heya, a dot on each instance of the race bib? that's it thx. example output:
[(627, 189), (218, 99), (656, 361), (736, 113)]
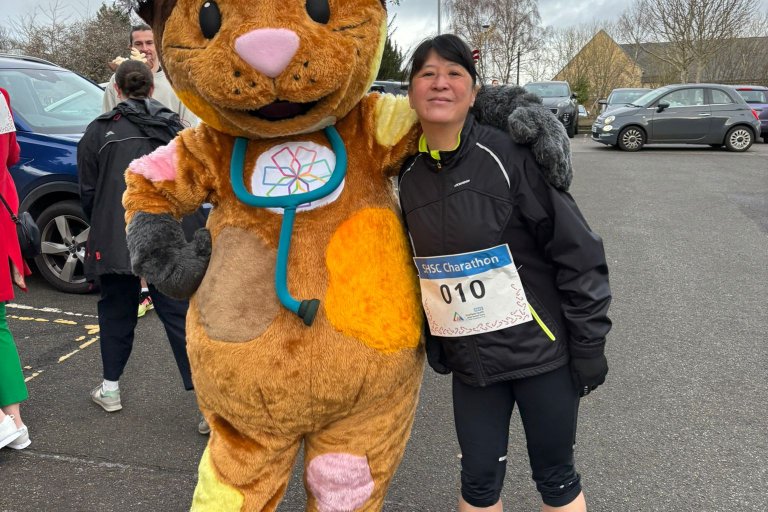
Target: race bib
[(472, 293)]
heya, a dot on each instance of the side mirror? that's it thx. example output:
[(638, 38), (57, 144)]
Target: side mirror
[(661, 106), (573, 96), (602, 102)]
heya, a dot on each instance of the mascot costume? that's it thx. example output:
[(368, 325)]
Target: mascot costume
[(304, 325)]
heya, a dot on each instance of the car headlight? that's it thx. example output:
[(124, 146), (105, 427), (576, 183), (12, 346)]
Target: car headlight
[(607, 128), (563, 104), (609, 119)]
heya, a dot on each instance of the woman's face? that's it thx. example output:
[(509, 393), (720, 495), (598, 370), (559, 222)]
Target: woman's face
[(441, 92)]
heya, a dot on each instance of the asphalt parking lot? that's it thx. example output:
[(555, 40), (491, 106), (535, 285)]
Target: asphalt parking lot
[(680, 425)]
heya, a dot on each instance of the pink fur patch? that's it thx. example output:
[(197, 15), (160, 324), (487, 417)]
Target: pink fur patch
[(340, 482), (160, 165)]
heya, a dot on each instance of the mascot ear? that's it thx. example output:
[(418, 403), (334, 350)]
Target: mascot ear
[(528, 122), (145, 9)]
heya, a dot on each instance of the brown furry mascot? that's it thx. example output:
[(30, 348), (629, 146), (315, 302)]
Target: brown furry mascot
[(304, 323)]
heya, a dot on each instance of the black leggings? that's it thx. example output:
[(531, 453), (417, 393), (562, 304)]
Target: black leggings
[(120, 297), (549, 405)]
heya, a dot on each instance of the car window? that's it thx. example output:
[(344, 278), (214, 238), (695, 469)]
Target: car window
[(624, 97), (684, 98), (52, 101), (720, 98), (548, 90), (754, 96)]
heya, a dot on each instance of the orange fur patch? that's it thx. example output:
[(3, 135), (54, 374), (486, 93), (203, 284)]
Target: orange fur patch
[(380, 305)]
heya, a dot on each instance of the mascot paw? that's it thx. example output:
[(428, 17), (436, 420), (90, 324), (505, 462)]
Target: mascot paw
[(161, 254), (521, 114)]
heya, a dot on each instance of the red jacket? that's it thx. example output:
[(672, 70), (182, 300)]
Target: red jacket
[(9, 242)]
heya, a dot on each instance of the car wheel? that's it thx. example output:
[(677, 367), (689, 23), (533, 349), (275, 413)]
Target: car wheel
[(63, 233), (576, 124), (571, 129), (631, 138), (738, 138)]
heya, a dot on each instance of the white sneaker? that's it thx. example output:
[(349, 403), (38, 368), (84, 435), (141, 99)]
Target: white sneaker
[(8, 430), (22, 441)]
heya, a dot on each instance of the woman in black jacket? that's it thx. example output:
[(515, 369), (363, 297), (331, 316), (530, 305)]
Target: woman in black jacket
[(134, 128), (514, 285)]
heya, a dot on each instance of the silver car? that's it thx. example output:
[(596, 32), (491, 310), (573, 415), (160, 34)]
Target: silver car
[(681, 114)]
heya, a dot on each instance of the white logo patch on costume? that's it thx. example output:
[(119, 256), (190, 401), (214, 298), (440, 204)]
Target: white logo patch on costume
[(472, 293), (295, 168)]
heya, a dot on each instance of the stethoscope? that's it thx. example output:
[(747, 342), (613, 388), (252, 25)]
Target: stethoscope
[(306, 309)]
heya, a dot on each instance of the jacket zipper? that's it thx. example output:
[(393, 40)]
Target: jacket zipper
[(541, 323)]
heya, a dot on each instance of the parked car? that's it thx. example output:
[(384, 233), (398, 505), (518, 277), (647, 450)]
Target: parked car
[(391, 87), (681, 114), (620, 97), (756, 97), (52, 107), (560, 100), (583, 112)]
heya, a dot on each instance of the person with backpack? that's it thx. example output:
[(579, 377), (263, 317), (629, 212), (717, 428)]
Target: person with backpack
[(135, 127)]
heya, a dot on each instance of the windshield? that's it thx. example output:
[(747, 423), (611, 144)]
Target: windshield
[(624, 97), (548, 90), (52, 101), (650, 96), (754, 96)]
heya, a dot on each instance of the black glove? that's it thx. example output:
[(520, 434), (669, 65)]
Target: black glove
[(161, 254), (588, 373), (435, 354)]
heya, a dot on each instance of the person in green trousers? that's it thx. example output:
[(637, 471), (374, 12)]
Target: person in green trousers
[(13, 389)]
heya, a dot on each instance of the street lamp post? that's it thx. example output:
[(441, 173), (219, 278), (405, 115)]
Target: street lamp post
[(518, 65), (439, 17)]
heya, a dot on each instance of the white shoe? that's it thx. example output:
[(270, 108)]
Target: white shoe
[(22, 441), (8, 430)]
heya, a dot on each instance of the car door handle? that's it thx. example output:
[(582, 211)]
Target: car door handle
[(704, 114)]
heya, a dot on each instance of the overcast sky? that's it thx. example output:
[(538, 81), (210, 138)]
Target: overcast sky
[(416, 19)]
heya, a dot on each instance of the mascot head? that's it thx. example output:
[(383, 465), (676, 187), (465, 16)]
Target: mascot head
[(268, 68)]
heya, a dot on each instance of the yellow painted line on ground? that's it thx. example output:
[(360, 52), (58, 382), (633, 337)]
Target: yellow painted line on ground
[(89, 342), (80, 338), (27, 318), (67, 356), (33, 376), (92, 329), (66, 322)]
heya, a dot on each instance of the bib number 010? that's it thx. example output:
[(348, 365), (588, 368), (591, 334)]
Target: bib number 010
[(476, 288)]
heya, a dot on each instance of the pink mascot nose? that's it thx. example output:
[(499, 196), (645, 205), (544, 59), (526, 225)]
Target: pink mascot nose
[(268, 50)]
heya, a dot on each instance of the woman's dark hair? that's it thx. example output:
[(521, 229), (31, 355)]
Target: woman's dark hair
[(134, 79), (449, 47)]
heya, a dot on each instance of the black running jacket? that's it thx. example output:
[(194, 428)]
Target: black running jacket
[(490, 191)]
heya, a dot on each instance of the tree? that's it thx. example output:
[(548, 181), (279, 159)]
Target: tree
[(600, 64), (84, 46), (392, 60), (503, 31), (694, 30)]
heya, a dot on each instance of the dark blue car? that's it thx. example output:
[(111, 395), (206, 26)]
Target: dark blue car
[(52, 107), (756, 97)]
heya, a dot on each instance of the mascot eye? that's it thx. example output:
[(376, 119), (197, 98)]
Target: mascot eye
[(210, 19), (319, 10)]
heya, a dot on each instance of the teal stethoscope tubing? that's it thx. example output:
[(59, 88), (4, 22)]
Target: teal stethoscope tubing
[(306, 309)]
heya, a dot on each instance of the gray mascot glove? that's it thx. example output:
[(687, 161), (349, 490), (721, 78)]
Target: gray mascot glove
[(528, 122), (161, 255)]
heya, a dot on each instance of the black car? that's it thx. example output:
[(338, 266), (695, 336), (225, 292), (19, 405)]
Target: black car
[(391, 87), (560, 100), (52, 107)]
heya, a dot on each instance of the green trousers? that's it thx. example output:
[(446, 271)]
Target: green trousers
[(13, 389)]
